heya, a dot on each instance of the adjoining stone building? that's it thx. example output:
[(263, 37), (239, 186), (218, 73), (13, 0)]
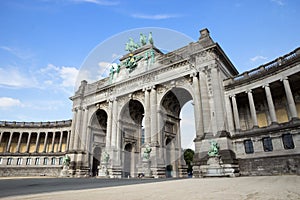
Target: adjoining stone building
[(254, 117)]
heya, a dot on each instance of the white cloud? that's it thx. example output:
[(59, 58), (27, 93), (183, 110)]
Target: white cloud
[(59, 76), (257, 58), (154, 17), (98, 2), (7, 102), (12, 77), (68, 75)]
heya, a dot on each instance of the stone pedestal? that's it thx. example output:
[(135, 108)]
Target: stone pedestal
[(146, 168), (102, 171), (213, 168), (64, 172)]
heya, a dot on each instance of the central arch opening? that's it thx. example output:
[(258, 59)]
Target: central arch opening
[(131, 127), (179, 128)]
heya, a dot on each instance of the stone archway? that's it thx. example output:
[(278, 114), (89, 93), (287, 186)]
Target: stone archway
[(97, 136), (131, 118), (171, 104)]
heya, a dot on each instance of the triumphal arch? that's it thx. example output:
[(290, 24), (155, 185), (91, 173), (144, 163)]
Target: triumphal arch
[(152, 86)]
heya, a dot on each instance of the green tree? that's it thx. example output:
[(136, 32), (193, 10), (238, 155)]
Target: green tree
[(188, 157)]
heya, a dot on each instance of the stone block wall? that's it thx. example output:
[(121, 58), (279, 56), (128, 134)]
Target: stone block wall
[(276, 165), (30, 171)]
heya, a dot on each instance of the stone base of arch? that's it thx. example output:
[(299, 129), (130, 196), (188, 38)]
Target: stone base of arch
[(115, 172), (229, 161)]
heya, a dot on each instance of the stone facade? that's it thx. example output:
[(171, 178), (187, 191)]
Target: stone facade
[(33, 149), (253, 116)]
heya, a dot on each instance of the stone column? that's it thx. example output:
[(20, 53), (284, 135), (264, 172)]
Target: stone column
[(229, 115), (45, 142), (147, 130), (84, 128), (53, 142), (114, 126), (197, 106), (217, 99), (77, 128), (37, 142), (270, 104), (72, 134), (153, 103), (290, 98), (252, 108), (235, 113), (109, 124), (9, 142), (161, 137), (1, 135), (205, 103), (60, 141), (19, 142), (68, 141), (28, 142)]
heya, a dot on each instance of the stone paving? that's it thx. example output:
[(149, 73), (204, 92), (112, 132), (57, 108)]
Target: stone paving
[(261, 187)]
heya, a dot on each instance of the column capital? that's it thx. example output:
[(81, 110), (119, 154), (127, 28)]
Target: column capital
[(266, 85), (284, 78), (194, 74), (77, 109), (248, 91), (232, 95), (111, 99), (147, 88)]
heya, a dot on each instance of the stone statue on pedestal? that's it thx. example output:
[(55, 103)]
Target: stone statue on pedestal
[(66, 163), (214, 149)]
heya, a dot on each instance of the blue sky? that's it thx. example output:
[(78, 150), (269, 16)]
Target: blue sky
[(43, 43)]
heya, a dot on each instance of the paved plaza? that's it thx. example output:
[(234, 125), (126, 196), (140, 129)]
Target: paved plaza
[(260, 187)]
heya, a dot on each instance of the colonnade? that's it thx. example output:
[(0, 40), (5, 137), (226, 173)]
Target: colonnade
[(34, 142), (292, 111)]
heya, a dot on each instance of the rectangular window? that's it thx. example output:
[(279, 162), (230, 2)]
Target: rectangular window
[(248, 146), (53, 161), (267, 144), (45, 161), (9, 161), (288, 142), (60, 161), (28, 161), (19, 161), (37, 161)]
